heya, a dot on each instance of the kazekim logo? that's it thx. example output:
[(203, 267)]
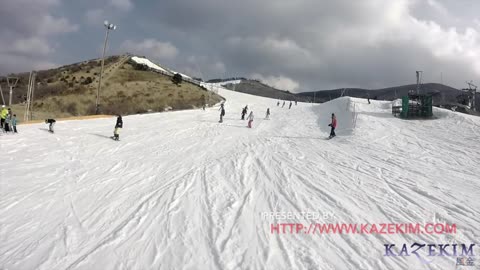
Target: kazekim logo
[(424, 251)]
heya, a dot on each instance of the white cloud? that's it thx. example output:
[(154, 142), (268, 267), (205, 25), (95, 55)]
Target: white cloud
[(50, 25), (151, 48), (124, 5), (95, 16), (31, 46), (27, 32), (279, 82)]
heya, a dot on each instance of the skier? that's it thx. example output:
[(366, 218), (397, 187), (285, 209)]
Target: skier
[(267, 116), (14, 123), (51, 123), (250, 119), (118, 127), (333, 125), (278, 103), (7, 126), (222, 113), (8, 121), (289, 107), (204, 106), (246, 108), (295, 103), (283, 104), (244, 112), (3, 116)]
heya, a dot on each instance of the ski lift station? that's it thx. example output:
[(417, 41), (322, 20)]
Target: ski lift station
[(414, 105)]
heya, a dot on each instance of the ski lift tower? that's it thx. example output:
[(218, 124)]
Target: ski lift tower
[(415, 105), (471, 90), (12, 82), (419, 80)]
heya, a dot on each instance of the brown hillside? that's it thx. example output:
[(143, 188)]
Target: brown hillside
[(127, 88)]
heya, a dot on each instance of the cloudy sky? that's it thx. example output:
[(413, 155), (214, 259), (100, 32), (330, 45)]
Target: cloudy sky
[(296, 45)]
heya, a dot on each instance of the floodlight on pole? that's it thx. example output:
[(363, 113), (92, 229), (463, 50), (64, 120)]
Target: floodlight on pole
[(108, 26)]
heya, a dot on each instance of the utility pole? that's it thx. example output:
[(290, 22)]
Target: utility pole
[(109, 27)]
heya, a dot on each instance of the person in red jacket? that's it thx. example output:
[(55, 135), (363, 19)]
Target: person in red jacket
[(333, 125)]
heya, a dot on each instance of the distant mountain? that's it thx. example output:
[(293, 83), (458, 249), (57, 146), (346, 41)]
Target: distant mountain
[(442, 94), (255, 87)]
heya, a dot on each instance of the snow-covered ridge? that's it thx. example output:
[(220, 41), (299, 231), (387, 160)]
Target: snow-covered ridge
[(150, 64), (147, 62), (227, 82)]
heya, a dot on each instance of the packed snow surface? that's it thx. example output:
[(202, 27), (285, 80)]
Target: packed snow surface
[(182, 191), (149, 63)]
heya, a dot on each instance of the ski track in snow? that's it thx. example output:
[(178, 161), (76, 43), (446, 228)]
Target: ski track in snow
[(182, 191)]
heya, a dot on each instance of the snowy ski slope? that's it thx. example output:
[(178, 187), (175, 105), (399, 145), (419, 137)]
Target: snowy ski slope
[(182, 191)]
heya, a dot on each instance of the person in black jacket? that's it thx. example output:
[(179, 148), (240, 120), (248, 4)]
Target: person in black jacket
[(244, 112), (50, 123), (118, 126), (222, 112)]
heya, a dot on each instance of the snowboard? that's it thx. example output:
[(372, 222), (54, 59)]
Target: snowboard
[(113, 138)]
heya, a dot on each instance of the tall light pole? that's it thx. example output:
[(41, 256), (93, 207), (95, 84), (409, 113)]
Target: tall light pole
[(109, 27)]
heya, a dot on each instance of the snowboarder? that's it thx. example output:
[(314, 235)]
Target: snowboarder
[(204, 106), (14, 123), (289, 107), (118, 127), (51, 123), (222, 113), (244, 112), (283, 104), (295, 103), (267, 116), (250, 119), (333, 125), (278, 103)]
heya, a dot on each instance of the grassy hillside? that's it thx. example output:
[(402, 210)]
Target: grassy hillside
[(126, 89)]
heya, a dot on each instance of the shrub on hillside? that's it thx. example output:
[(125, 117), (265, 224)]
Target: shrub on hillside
[(88, 80), (141, 67), (71, 108), (177, 79), (49, 90)]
